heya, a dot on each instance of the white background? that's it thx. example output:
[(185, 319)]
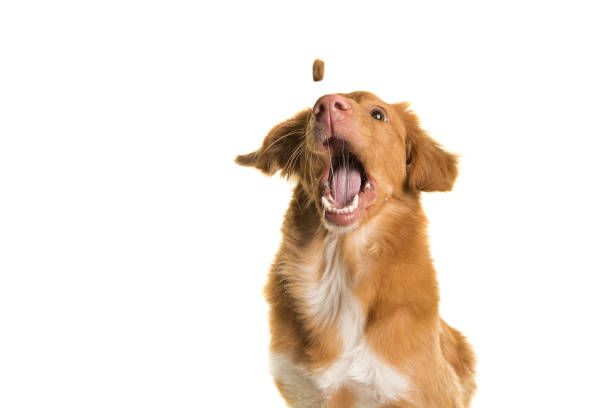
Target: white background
[(133, 252)]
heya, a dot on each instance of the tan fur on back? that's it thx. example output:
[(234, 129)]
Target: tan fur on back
[(354, 316)]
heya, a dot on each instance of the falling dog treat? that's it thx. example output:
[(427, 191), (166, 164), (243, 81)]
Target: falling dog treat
[(318, 68)]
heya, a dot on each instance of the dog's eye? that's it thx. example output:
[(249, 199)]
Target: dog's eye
[(378, 114)]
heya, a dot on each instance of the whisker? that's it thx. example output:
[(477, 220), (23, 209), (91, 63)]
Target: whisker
[(281, 139), (293, 159), (331, 165)]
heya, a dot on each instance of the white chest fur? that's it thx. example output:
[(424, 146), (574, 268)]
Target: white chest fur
[(330, 300)]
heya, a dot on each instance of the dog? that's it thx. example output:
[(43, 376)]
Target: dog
[(353, 292)]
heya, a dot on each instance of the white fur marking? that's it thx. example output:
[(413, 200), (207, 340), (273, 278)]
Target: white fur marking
[(331, 301), (295, 380)]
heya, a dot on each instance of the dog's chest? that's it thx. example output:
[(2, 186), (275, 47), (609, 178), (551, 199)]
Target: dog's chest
[(329, 294), (330, 299)]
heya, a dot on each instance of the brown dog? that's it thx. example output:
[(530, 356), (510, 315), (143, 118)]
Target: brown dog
[(353, 291)]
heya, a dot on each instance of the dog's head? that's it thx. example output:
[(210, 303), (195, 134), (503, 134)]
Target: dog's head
[(353, 152)]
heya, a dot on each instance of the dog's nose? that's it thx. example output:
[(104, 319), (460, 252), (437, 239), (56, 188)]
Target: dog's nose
[(331, 108)]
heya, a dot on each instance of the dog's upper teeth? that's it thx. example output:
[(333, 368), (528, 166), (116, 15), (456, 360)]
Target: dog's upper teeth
[(368, 186)]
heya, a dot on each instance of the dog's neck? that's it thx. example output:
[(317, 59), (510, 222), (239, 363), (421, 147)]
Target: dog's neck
[(388, 253)]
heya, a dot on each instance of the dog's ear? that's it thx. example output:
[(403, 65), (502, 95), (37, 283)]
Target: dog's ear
[(428, 166), (281, 149)]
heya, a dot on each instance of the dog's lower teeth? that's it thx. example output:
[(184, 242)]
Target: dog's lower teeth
[(349, 209)]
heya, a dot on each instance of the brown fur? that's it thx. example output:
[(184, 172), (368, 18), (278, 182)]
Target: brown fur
[(341, 399), (387, 256)]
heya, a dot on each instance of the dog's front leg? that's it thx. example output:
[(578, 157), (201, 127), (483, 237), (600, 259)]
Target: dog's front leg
[(412, 347)]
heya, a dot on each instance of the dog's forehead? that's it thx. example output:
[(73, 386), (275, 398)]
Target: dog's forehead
[(363, 97)]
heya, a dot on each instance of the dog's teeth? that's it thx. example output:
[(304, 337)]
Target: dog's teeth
[(368, 186), (348, 209), (326, 204)]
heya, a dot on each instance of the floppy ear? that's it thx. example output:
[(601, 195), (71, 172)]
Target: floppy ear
[(428, 166), (281, 149)]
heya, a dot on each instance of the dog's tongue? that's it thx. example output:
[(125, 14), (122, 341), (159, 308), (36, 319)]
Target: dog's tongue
[(345, 184)]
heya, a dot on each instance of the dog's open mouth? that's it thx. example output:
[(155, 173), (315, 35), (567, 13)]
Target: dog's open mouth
[(347, 188)]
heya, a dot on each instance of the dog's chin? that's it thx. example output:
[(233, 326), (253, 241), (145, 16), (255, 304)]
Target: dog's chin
[(340, 223), (337, 229)]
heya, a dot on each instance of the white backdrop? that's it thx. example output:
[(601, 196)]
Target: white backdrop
[(133, 252)]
